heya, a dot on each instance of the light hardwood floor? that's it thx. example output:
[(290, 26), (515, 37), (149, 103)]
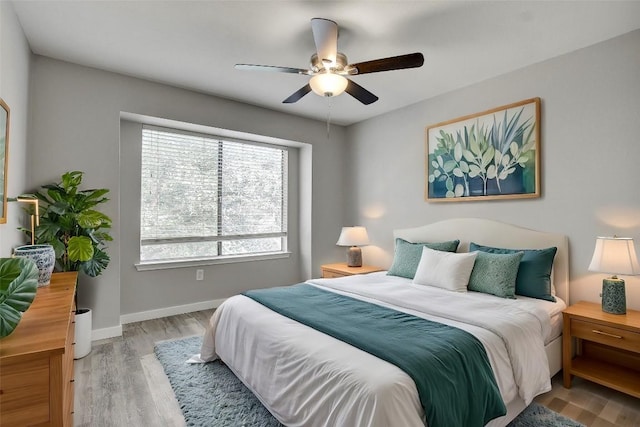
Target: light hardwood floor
[(121, 383)]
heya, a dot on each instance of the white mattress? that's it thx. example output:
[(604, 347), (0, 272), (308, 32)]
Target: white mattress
[(555, 314), (306, 378)]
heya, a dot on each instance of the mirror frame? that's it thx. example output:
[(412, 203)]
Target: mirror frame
[(4, 151)]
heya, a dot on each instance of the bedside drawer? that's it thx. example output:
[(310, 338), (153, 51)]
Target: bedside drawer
[(331, 274), (607, 335)]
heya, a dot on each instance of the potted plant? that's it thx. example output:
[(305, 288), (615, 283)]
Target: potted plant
[(18, 284), (78, 233)]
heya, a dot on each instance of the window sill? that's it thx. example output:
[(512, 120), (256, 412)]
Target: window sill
[(163, 265)]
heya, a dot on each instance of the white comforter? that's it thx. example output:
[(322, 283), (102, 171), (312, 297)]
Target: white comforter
[(306, 378)]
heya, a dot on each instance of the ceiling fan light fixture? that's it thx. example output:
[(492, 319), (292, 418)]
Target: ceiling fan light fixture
[(328, 84)]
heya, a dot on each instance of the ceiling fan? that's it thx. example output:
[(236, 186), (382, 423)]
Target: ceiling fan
[(329, 67)]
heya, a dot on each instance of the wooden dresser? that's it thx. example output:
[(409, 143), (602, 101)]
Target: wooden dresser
[(36, 360)]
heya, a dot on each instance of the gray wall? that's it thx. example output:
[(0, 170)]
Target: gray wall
[(590, 152), (76, 126), (15, 60)]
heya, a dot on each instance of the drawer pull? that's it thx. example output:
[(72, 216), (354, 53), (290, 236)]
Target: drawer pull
[(595, 331)]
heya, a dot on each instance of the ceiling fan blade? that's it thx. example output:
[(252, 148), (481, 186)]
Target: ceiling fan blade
[(360, 93), (325, 35), (298, 94), (252, 67), (412, 60)]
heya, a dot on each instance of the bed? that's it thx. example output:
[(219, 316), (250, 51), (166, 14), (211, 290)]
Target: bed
[(308, 378)]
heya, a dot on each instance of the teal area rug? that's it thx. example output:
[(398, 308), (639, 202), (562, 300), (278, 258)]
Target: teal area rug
[(210, 395)]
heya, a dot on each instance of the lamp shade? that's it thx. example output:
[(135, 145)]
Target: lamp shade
[(353, 236), (615, 255), (328, 84)]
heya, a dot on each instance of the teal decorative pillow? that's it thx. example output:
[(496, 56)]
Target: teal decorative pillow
[(495, 274), (407, 256), (534, 274)]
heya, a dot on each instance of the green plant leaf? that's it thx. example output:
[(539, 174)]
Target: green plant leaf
[(96, 264), (505, 173), (58, 247), (47, 230), (18, 285), (449, 184), (513, 148), (71, 180), (457, 152), (94, 195), (449, 165), (474, 147), (80, 248), (100, 237), (464, 166), (468, 155), (92, 219), (487, 157), (491, 171), (60, 207)]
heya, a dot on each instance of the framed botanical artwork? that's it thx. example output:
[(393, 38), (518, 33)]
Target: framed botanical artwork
[(4, 158), (490, 155)]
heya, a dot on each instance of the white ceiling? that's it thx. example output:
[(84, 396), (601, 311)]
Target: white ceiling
[(195, 44)]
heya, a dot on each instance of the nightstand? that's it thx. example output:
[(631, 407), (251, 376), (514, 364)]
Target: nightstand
[(341, 269), (607, 347)]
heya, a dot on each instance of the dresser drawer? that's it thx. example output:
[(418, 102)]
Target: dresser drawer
[(24, 393), (619, 338)]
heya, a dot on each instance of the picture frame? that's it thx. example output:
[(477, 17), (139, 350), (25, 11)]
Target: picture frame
[(4, 158), (490, 155)]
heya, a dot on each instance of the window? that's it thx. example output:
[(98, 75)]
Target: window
[(209, 197)]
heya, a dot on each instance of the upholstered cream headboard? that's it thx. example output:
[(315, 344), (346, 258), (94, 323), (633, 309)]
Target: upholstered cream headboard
[(499, 234)]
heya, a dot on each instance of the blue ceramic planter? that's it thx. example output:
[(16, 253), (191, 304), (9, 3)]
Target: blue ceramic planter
[(43, 255)]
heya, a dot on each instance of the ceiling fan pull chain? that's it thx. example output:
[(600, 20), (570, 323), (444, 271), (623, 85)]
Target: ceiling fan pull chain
[(329, 118)]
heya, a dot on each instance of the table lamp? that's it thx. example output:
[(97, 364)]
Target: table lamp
[(615, 255), (353, 237)]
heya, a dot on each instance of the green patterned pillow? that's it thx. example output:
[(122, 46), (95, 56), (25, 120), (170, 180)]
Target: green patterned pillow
[(495, 274), (407, 256), (534, 275)]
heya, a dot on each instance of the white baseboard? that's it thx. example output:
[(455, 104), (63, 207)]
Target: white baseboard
[(169, 311), (104, 333)]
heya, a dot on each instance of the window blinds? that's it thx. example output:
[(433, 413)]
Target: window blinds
[(198, 188)]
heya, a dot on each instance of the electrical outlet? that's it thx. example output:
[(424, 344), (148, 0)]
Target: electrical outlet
[(199, 274)]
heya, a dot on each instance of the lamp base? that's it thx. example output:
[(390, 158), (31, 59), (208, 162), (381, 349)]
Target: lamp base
[(354, 257), (614, 300)]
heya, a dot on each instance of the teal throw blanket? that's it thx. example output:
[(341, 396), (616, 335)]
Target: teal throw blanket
[(449, 366)]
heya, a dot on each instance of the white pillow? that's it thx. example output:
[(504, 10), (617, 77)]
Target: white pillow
[(447, 270)]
